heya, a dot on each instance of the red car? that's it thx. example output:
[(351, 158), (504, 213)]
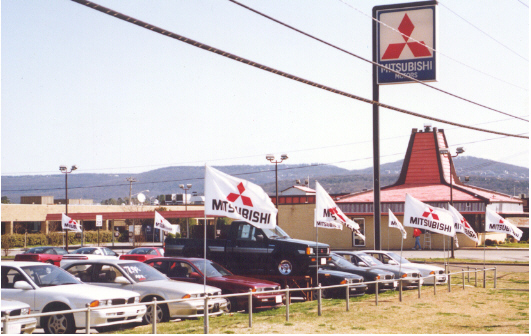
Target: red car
[(143, 253), (46, 254), (192, 270)]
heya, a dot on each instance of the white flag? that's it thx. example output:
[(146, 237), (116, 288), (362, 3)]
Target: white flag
[(70, 224), (427, 217), (236, 198), (329, 216), (394, 223), (496, 223), (162, 223), (461, 225)]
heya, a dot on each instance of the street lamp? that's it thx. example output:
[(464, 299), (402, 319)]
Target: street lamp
[(458, 150), (271, 158), (188, 186), (65, 171)]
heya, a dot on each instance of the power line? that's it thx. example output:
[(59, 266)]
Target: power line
[(523, 3), (197, 44), (371, 62), (489, 36), (449, 57)]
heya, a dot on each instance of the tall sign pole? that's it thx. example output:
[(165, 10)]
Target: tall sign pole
[(404, 37)]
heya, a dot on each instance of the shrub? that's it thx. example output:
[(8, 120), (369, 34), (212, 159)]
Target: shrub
[(490, 242)]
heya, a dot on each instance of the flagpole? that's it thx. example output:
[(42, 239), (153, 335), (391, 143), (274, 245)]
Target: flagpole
[(204, 248), (316, 248)]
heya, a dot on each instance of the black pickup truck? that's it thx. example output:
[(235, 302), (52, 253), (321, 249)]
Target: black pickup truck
[(246, 249)]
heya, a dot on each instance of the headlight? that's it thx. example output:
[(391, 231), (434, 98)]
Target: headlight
[(25, 311), (137, 299), (309, 250), (94, 303)]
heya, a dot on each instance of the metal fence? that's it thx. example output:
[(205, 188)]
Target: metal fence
[(9, 319)]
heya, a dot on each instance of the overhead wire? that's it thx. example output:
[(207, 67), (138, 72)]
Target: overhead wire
[(431, 48), (197, 44), (523, 3)]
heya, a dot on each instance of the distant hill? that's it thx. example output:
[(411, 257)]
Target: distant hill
[(497, 176)]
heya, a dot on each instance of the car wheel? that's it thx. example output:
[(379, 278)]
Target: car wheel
[(162, 314), (285, 267), (60, 324)]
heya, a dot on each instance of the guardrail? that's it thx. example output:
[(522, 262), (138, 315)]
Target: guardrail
[(7, 319)]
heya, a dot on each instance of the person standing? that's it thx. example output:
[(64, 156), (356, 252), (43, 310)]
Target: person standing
[(416, 235)]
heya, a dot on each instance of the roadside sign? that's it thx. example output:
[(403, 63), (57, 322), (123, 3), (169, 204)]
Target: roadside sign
[(99, 221), (405, 40)]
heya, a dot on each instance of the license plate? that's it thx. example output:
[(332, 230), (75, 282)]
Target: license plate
[(323, 261), (278, 299), (216, 307), (396, 283)]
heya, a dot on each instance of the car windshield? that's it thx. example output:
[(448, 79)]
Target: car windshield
[(340, 261), (141, 272), (143, 250), (87, 250), (213, 269), (49, 275), (398, 258), (370, 261), (277, 232)]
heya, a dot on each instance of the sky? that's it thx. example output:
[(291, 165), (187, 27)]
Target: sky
[(81, 87)]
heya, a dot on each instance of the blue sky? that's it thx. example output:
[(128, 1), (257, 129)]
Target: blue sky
[(80, 87)]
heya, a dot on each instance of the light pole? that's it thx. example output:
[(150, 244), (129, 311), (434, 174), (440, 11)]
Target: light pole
[(271, 158), (188, 186), (65, 171), (458, 150)]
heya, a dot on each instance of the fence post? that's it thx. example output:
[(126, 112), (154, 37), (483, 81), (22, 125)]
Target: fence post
[(468, 271), (420, 284), (449, 282), (495, 271), (348, 296), (319, 293), (154, 317), (400, 290), (463, 277), (484, 278), (205, 311), (434, 287), (87, 318), (376, 292), (6, 324), (287, 303), (475, 277), (250, 308)]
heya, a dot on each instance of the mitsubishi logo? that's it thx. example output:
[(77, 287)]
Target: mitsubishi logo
[(418, 49), (430, 212), (245, 200), (465, 223), (334, 211)]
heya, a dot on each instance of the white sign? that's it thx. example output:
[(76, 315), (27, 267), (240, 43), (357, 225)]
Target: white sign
[(496, 223), (99, 220), (68, 223), (236, 198), (427, 217)]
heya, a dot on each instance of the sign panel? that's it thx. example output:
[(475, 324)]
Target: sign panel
[(405, 41), (99, 220)]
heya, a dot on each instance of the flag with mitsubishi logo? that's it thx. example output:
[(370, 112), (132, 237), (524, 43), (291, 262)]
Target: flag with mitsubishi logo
[(496, 223), (329, 216), (461, 225), (395, 223), (423, 216), (68, 223), (162, 223), (236, 198)]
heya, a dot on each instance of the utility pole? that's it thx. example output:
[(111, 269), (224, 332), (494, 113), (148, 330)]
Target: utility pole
[(131, 180)]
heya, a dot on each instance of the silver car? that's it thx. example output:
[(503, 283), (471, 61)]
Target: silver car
[(150, 284), (20, 325)]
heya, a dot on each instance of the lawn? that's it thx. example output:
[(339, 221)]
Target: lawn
[(472, 310)]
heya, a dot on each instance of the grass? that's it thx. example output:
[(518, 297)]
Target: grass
[(473, 310), (523, 245), (468, 261)]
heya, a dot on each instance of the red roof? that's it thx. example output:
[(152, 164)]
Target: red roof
[(426, 176)]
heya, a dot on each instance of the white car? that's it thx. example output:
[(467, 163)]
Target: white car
[(47, 288), (13, 308), (150, 283), (89, 253), (434, 273)]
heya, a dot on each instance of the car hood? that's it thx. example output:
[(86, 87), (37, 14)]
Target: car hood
[(340, 274), (423, 268), (242, 281), (89, 292), (302, 242), (395, 269), (8, 305), (173, 286)]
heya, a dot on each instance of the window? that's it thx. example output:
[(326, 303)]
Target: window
[(357, 241)]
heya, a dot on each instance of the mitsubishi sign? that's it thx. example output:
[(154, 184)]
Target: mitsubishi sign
[(406, 41)]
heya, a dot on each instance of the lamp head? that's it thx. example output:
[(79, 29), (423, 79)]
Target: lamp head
[(62, 168), (181, 186), (74, 167), (460, 150), (444, 151), (270, 157), (284, 157), (189, 185)]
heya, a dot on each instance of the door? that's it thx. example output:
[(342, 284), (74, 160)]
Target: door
[(11, 275), (251, 249)]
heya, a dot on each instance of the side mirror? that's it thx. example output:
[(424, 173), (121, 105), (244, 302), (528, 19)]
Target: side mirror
[(121, 280), (392, 262), (22, 285), (195, 275)]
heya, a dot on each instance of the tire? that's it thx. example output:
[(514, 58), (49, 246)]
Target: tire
[(162, 314), (60, 324), (285, 267)]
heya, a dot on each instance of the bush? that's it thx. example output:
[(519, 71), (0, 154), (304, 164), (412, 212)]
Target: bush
[(490, 242)]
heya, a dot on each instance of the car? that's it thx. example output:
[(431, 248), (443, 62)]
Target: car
[(338, 263), (431, 274), (48, 288), (331, 278), (409, 277), (20, 325), (47, 254), (193, 270), (89, 253), (143, 253), (150, 284)]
